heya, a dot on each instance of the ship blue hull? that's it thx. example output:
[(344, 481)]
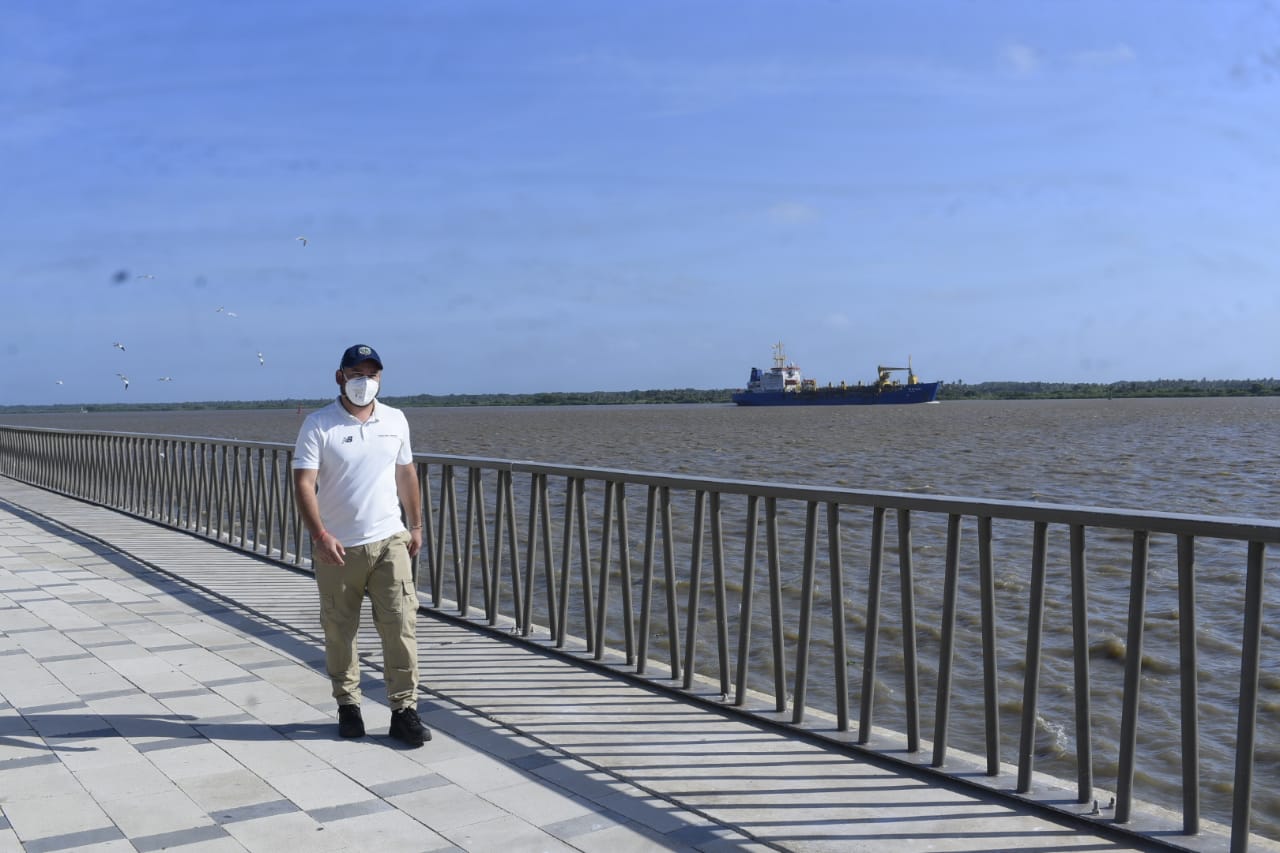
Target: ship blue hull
[(920, 392)]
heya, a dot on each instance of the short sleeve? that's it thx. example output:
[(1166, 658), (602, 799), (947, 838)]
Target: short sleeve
[(306, 451), (405, 456)]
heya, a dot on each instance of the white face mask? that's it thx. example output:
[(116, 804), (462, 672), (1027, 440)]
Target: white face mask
[(361, 390)]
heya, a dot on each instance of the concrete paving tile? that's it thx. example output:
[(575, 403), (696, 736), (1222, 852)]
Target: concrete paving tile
[(253, 693), (318, 788), (392, 830), (202, 665), (40, 817), (375, 765), (202, 838), (168, 811), (198, 758), (35, 781), (293, 831), (9, 841), (84, 753), (446, 807), (478, 773), (269, 758), (289, 711), (506, 833), (138, 778), (625, 838), (538, 802), (582, 779), (652, 812), (227, 789), (61, 615)]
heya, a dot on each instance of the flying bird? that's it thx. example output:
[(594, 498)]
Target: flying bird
[(165, 379), (57, 382), (260, 361), (118, 346), (125, 380), (144, 275), (302, 239)]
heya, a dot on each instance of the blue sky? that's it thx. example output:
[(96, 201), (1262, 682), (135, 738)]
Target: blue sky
[(508, 197)]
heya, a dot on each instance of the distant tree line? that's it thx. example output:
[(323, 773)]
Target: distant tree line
[(1089, 390), (958, 390)]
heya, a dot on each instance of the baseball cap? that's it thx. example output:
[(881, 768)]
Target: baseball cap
[(358, 353)]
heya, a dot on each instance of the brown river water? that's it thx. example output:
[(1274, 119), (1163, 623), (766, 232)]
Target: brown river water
[(1210, 456)]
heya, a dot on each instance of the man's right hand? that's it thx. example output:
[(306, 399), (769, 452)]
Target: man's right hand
[(327, 549)]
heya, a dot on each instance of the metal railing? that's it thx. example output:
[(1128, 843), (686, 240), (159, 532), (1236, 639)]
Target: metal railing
[(542, 550)]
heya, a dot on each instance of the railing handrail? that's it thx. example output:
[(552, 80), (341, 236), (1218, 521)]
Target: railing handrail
[(1244, 528)]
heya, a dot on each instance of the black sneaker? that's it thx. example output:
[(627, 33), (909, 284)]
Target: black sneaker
[(350, 723), (408, 728)]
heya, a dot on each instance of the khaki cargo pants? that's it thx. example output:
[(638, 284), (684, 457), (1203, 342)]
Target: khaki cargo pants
[(383, 570)]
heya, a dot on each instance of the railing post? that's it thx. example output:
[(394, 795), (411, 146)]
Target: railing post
[(1132, 675), (946, 650), (1080, 658), (1031, 675), (1247, 725)]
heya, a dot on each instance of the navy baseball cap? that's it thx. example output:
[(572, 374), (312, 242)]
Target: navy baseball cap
[(358, 353)]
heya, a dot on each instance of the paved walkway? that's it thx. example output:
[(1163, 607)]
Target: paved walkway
[(158, 691)]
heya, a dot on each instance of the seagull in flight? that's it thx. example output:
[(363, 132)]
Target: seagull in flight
[(302, 239), (260, 360), (57, 382), (118, 346), (144, 275), (125, 380), (165, 379)]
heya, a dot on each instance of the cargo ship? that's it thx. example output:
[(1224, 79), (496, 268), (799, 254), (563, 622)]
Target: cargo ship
[(783, 385)]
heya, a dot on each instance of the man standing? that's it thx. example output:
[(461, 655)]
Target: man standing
[(352, 472)]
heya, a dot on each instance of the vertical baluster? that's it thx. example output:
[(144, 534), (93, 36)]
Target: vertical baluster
[(449, 494), (584, 566), (695, 588), (646, 578), (548, 562), (775, 604), (1080, 654), (428, 550), (602, 596), (1189, 665), (990, 668), (464, 583), (566, 559), (1031, 675), (669, 569), (1247, 724), (499, 522), (624, 570), (1132, 674), (513, 546), (745, 605), (906, 580), (839, 640), (947, 642), (806, 611), (488, 573), (871, 648), (531, 550), (273, 500), (717, 579)]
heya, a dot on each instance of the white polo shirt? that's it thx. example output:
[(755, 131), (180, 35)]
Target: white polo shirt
[(356, 483)]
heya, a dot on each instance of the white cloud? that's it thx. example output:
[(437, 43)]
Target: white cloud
[(1022, 58), (1106, 57)]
